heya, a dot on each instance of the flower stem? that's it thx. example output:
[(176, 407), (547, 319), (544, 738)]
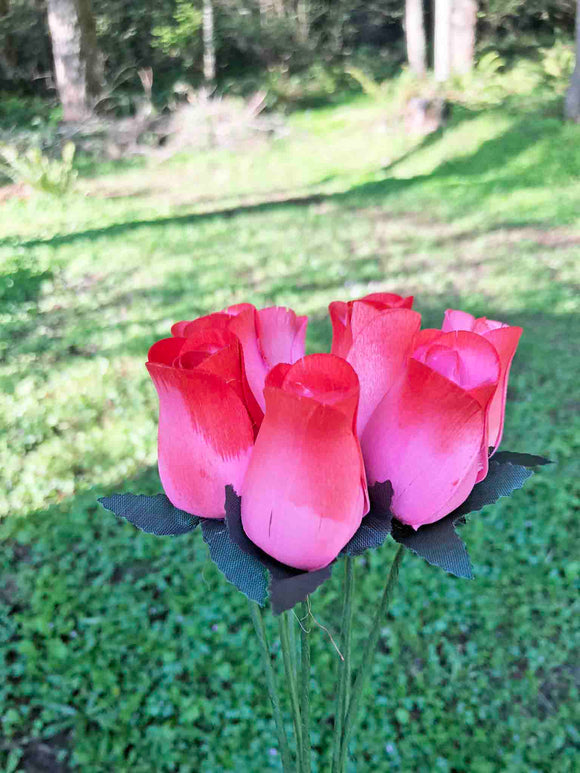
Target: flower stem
[(344, 665), (365, 668), (258, 620), (292, 688), (305, 686), (293, 645)]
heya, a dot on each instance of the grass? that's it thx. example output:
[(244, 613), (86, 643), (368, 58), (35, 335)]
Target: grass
[(124, 652)]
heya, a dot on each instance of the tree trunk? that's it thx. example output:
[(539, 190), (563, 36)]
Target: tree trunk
[(208, 43), (76, 57), (463, 22), (572, 106), (302, 17), (265, 11), (9, 54), (415, 37), (442, 40)]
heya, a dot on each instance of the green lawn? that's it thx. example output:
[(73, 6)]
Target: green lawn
[(124, 652)]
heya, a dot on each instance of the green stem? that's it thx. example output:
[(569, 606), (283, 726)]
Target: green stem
[(365, 668), (344, 665), (258, 620), (305, 686), (292, 689), (293, 646)]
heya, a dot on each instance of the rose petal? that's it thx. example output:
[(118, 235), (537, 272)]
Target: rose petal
[(505, 340), (205, 438), (455, 319), (281, 334), (186, 329), (380, 348), (166, 351), (389, 301)]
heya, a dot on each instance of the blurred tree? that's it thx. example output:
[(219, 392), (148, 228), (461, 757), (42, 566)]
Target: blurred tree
[(463, 23), (209, 61), (415, 36), (76, 57), (442, 40), (269, 8), (8, 50), (572, 107), (303, 20)]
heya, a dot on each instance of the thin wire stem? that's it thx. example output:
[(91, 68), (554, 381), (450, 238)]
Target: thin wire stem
[(292, 689), (260, 628), (365, 668), (344, 664), (305, 688)]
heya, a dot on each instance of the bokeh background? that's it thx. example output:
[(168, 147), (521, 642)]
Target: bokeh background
[(198, 154)]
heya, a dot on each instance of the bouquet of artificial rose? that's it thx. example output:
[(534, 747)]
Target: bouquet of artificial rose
[(289, 462)]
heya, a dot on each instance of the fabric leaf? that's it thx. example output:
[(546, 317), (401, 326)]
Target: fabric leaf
[(152, 515), (376, 525), (238, 567)]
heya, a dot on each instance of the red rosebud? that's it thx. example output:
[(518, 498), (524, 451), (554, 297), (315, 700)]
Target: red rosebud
[(268, 337), (341, 316)]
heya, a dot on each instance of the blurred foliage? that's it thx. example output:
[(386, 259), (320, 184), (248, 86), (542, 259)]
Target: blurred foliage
[(506, 18), (558, 63), (33, 113), (373, 89), (43, 174), (253, 36), (493, 81), (124, 652), (180, 39)]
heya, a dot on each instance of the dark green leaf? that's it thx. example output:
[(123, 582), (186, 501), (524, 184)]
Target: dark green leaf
[(376, 525), (438, 543), (153, 515), (239, 567)]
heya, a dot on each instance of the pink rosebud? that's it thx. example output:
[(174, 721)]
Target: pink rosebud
[(428, 434), (305, 494), (205, 433), (375, 335)]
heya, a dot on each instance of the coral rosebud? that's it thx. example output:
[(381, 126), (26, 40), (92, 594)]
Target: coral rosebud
[(205, 433), (305, 494)]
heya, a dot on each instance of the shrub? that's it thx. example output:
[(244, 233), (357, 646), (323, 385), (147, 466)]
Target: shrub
[(32, 167)]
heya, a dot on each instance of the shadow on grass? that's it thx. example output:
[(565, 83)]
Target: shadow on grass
[(493, 155), (22, 285)]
